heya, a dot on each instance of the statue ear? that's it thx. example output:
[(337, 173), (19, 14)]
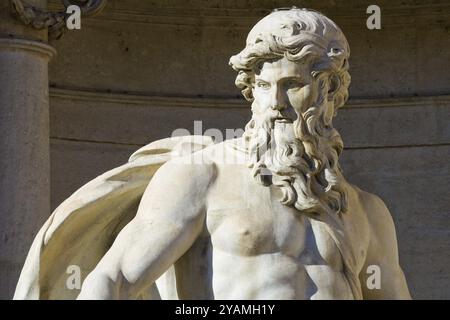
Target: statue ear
[(333, 86), (334, 83)]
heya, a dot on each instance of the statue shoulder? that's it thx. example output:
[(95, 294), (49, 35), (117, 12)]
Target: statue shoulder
[(372, 203), (189, 169), (201, 166), (378, 215), (228, 152)]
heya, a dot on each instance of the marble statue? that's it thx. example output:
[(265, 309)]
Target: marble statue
[(278, 221)]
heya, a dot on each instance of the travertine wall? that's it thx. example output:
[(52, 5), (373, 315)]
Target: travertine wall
[(143, 69), (24, 140)]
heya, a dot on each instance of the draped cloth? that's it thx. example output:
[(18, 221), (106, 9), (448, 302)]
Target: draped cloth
[(83, 228)]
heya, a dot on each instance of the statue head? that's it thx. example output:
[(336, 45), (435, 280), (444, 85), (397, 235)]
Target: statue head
[(294, 70), (303, 36)]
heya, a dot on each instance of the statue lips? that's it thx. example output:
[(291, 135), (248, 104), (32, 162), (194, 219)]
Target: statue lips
[(287, 115), (283, 120), (279, 116), (283, 131)]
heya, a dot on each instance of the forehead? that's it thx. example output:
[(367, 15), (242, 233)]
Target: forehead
[(282, 68)]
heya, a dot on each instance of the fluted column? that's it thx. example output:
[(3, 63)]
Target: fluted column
[(24, 140)]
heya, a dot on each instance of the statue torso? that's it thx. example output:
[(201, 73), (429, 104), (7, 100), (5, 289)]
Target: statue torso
[(253, 247)]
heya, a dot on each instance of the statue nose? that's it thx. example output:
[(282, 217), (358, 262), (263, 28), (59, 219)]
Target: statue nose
[(278, 106), (278, 100)]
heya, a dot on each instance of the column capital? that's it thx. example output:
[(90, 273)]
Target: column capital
[(55, 21)]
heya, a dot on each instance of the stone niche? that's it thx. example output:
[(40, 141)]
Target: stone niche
[(142, 69), (129, 63)]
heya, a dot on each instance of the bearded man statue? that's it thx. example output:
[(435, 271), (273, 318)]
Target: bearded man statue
[(279, 221)]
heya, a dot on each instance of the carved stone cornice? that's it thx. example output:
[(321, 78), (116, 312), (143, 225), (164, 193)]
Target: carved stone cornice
[(54, 21), (386, 122), (181, 14), (233, 103)]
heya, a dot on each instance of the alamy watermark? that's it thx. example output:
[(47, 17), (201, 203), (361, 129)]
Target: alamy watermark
[(73, 21), (73, 281), (373, 282), (374, 20)]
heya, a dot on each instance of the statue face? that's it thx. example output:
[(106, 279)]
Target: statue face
[(283, 89)]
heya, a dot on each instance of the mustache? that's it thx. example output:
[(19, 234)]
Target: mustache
[(273, 116), (276, 136), (277, 112)]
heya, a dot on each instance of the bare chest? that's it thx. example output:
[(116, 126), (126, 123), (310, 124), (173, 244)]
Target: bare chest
[(250, 221)]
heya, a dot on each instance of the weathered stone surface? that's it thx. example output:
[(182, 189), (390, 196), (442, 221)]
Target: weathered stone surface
[(362, 123), (384, 63), (414, 184), (75, 163), (24, 141)]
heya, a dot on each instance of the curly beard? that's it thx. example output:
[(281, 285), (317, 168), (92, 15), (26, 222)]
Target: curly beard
[(301, 158)]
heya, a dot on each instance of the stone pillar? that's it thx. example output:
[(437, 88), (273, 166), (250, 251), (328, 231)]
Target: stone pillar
[(24, 141)]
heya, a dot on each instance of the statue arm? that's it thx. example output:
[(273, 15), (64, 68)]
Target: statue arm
[(382, 253), (169, 219)]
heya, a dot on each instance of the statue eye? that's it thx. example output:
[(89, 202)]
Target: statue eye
[(293, 84), (263, 85)]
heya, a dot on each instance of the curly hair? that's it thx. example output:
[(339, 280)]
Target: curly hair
[(302, 34)]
